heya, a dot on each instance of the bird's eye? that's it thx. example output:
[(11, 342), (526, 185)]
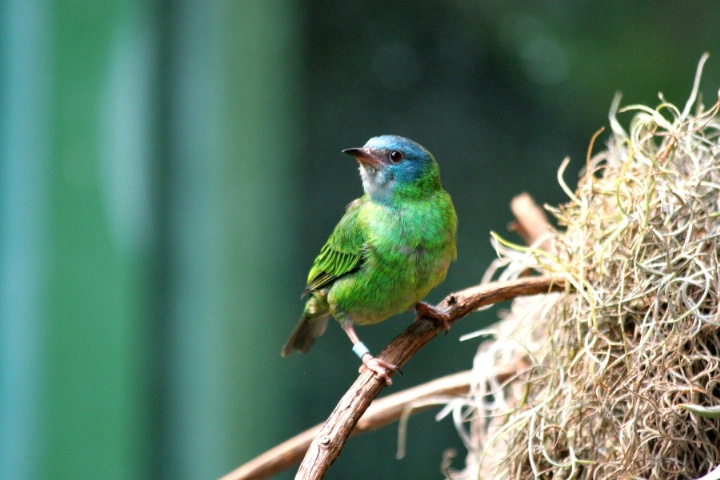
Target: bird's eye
[(396, 156)]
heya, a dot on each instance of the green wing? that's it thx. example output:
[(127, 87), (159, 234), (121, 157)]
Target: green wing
[(343, 251)]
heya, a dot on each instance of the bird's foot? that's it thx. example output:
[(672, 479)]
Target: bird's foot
[(379, 367), (426, 310)]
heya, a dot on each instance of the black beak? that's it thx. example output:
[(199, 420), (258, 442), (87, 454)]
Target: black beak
[(355, 152)]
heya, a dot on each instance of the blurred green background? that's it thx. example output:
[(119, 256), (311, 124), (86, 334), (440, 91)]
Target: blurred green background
[(169, 169)]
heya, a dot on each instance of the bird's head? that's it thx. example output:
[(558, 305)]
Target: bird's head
[(392, 166)]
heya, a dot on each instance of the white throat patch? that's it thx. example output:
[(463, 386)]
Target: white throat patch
[(376, 185)]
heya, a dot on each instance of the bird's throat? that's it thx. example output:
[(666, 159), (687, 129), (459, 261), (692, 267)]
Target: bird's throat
[(376, 184)]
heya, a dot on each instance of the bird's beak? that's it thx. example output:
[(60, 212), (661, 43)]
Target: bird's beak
[(364, 155)]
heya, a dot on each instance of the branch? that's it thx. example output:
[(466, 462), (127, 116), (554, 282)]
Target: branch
[(332, 436), (382, 412), (532, 223)]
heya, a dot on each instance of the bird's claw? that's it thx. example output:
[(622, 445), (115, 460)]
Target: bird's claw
[(379, 367), (425, 310)]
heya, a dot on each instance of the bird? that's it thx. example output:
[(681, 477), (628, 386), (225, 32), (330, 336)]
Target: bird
[(391, 247)]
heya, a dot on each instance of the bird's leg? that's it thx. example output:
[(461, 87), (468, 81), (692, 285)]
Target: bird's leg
[(426, 310), (378, 366)]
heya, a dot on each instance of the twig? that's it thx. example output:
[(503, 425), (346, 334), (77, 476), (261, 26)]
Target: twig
[(382, 412), (332, 436), (532, 223)]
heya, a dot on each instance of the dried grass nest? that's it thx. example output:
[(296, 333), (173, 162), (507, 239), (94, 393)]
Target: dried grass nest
[(621, 375)]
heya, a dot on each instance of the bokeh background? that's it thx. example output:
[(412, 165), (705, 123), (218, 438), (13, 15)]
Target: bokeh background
[(169, 169)]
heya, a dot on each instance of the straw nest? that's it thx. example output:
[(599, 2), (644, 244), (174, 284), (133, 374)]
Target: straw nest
[(620, 374)]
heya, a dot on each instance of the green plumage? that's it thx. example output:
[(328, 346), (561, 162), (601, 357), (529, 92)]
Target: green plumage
[(341, 254), (392, 246)]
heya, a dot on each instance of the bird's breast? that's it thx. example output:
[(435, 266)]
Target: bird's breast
[(407, 252), (412, 238)]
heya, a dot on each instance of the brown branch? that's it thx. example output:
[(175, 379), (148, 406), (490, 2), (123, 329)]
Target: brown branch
[(332, 436), (382, 412)]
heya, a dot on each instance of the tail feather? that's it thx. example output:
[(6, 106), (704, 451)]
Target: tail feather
[(312, 324)]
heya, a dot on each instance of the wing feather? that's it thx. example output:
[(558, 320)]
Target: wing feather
[(342, 253)]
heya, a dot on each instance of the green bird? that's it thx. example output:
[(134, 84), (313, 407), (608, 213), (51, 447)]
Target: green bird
[(392, 246)]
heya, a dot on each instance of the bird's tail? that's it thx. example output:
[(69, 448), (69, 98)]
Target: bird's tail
[(312, 324)]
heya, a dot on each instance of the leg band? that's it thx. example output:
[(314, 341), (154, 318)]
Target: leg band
[(360, 350)]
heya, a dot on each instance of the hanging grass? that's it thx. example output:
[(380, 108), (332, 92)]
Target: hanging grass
[(620, 374)]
